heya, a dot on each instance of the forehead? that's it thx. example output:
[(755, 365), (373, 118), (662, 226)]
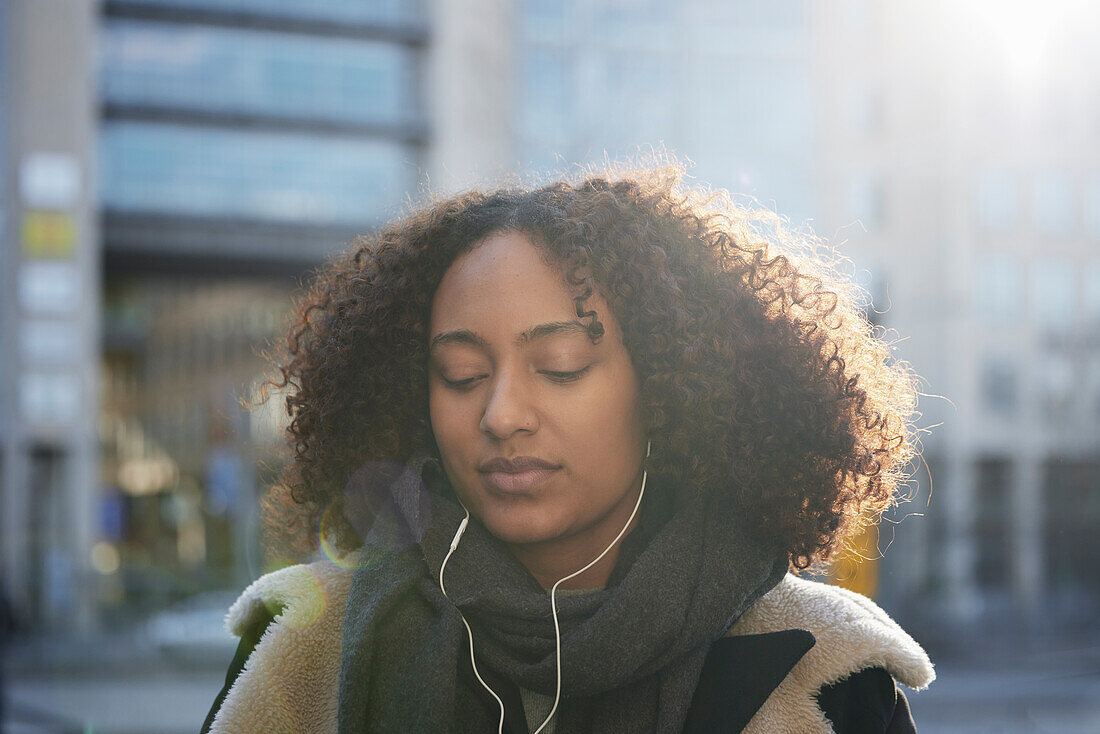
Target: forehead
[(505, 285)]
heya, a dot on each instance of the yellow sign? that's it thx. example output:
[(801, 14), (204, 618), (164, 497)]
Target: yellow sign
[(48, 234)]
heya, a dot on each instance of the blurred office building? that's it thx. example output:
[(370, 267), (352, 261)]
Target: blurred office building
[(958, 153), (174, 168), (725, 85)]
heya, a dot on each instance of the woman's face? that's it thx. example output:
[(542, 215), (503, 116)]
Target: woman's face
[(539, 429)]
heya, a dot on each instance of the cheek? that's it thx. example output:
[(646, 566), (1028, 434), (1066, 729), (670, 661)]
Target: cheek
[(608, 427), (448, 420)]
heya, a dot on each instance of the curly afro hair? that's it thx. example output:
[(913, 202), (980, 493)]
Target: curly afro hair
[(759, 373)]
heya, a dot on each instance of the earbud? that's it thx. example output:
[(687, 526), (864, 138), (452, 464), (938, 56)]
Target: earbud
[(461, 529)]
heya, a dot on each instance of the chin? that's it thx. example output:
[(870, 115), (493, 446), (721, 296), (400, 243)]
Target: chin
[(520, 528)]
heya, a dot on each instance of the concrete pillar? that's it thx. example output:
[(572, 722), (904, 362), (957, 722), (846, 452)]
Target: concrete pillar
[(470, 93), (50, 295)]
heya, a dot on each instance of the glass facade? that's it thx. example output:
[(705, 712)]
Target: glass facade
[(183, 461), (1091, 296), (634, 21), (998, 288), (1058, 382), (245, 111), (634, 82), (992, 527), (1053, 294), (257, 72), (726, 85), (549, 106), (351, 11), (1092, 206), (245, 174), (1072, 514), (999, 385), (1052, 204)]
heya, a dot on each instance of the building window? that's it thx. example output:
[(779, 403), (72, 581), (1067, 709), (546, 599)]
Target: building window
[(641, 82), (1053, 294), (1057, 387), (1090, 296), (992, 526), (999, 386), (1092, 206), (546, 18), (273, 176), (255, 72), (547, 113), (350, 11), (998, 193), (1072, 554), (998, 288), (1052, 204), (1091, 387), (633, 21)]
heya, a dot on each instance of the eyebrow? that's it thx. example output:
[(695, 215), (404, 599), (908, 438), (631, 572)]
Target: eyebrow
[(465, 336)]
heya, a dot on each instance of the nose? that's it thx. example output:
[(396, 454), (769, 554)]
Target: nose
[(509, 408)]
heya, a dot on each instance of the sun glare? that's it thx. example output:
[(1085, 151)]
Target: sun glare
[(1024, 37)]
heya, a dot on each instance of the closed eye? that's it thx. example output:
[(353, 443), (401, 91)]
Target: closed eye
[(560, 377), (461, 384), (563, 377)]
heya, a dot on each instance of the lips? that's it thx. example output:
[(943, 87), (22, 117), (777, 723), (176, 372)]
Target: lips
[(521, 474)]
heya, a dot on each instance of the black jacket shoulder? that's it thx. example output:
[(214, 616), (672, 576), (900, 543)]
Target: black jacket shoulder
[(741, 672), (867, 702)]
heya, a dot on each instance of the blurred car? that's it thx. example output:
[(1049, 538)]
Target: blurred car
[(192, 631)]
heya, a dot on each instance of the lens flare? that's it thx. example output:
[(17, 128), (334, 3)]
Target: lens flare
[(326, 540), (364, 557)]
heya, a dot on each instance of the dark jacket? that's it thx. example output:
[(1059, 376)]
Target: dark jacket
[(868, 702), (837, 675)]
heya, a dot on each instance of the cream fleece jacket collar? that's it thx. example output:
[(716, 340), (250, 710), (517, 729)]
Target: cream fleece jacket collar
[(852, 633), (291, 681)]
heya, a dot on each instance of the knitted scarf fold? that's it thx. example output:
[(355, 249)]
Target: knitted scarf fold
[(631, 654)]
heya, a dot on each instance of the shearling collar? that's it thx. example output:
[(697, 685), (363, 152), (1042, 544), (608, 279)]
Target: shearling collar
[(797, 638), (851, 633)]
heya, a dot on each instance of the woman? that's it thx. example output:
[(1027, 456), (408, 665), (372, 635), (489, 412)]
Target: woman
[(563, 446)]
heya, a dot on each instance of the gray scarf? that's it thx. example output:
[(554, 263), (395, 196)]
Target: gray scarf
[(631, 654)]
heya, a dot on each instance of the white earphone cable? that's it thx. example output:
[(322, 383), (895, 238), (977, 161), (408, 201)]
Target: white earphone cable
[(553, 603), (469, 632)]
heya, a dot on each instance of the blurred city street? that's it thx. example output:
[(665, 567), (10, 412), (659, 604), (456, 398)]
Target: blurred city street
[(121, 686), (1054, 690), (109, 684), (175, 173)]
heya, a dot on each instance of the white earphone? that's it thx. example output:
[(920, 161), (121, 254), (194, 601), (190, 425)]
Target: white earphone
[(553, 602)]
